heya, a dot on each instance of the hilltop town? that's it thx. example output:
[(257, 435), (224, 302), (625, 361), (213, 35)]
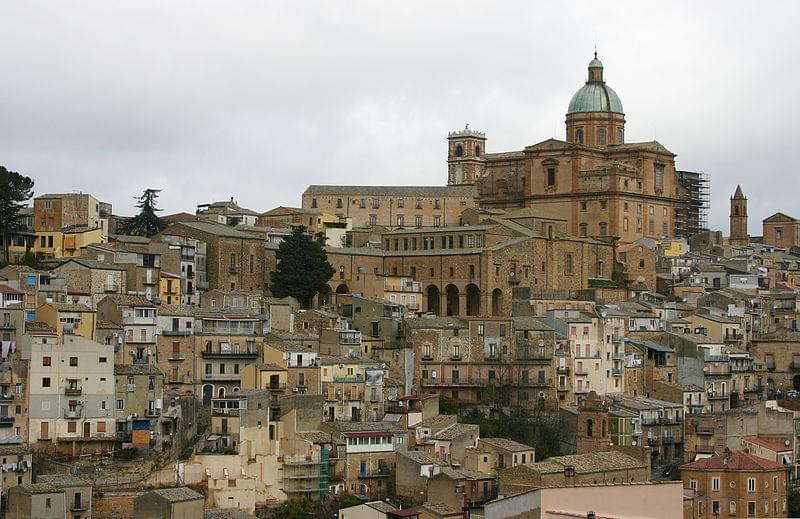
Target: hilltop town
[(546, 332)]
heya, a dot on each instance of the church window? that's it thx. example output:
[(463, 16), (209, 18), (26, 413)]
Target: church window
[(625, 224), (778, 234), (551, 176), (459, 150), (584, 229), (477, 151), (625, 206), (583, 206), (601, 137), (568, 264), (603, 204), (659, 176), (418, 220), (401, 203), (589, 428), (313, 202), (418, 203), (373, 219), (651, 227), (603, 229), (736, 210), (599, 269), (362, 203), (579, 136), (620, 136)]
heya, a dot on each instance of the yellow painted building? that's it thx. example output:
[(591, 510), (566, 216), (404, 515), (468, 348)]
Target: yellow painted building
[(673, 248), (264, 376), (69, 319), (66, 244), (169, 288)]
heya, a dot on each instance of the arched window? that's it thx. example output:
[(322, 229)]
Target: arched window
[(579, 136), (603, 229), (601, 137), (589, 428), (459, 150), (221, 392), (736, 210), (477, 151)]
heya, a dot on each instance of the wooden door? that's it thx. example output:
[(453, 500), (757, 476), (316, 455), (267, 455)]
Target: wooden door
[(44, 433), (87, 429)]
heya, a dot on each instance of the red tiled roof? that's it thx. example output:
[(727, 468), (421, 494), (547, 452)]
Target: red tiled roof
[(735, 461), (5, 289), (774, 445), (180, 217)]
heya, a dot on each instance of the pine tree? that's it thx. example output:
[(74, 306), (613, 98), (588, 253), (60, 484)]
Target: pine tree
[(146, 223), (14, 190), (303, 269)]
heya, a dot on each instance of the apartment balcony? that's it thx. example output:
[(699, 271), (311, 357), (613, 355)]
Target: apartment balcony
[(581, 391), (7, 398), (426, 357), (177, 379), (6, 421), (351, 379), (202, 285), (371, 475), (754, 389), (277, 387), (493, 358), (176, 356), (705, 449), (538, 382), (734, 336), (562, 389), (73, 391), (453, 382), (78, 507), (717, 373), (615, 337), (562, 370), (72, 414), (617, 372), (176, 333), (152, 413), (652, 420), (618, 355), (455, 357), (534, 357), (581, 372), (653, 441), (716, 395), (111, 288), (706, 430), (244, 355), (221, 377)]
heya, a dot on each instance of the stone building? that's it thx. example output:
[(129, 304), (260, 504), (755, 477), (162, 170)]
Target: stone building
[(92, 277), (175, 348), (77, 493), (392, 206), (41, 500), (169, 503), (478, 361), (594, 179), (778, 352), (781, 230), (592, 431), (493, 454), (578, 469), (736, 483), (234, 259), (462, 489), (14, 398), (138, 318), (139, 391)]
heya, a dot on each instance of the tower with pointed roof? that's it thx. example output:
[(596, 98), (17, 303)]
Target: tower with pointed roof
[(738, 219), (595, 116)]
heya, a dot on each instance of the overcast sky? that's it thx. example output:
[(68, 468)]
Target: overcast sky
[(257, 100)]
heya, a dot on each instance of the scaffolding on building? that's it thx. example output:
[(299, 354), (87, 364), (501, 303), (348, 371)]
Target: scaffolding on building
[(691, 216)]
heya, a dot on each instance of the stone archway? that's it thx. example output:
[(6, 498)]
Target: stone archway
[(452, 295), (434, 299), (342, 289), (324, 296), (497, 302), (473, 299)]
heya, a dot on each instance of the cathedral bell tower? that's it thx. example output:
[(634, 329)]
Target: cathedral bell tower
[(738, 218), (465, 156)]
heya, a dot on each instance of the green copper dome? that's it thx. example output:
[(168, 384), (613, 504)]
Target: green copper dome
[(595, 95)]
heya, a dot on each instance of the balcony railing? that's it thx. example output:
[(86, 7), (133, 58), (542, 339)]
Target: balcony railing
[(72, 391), (230, 354), (8, 324), (348, 378), (581, 390), (617, 372), (717, 395), (222, 377), (562, 369), (581, 371), (754, 389), (704, 430), (177, 356), (277, 387), (152, 413), (176, 333), (618, 355)]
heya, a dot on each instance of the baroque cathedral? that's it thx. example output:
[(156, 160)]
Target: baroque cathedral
[(600, 184)]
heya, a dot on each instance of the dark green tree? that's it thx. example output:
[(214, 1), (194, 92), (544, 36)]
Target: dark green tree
[(146, 223), (14, 190), (303, 269), (302, 508), (794, 503), (447, 405)]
